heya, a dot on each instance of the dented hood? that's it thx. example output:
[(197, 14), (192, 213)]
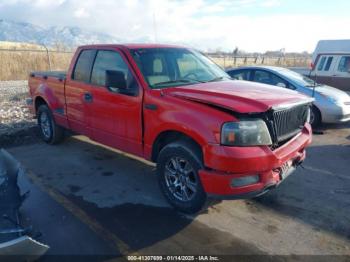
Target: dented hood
[(239, 96)]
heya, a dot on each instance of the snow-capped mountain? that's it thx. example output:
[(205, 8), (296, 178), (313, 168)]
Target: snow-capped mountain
[(51, 36)]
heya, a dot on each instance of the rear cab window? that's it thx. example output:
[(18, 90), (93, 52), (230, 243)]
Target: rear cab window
[(83, 66)]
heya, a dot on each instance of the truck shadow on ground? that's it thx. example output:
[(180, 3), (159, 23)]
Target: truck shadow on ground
[(319, 193), (122, 195), (163, 230)]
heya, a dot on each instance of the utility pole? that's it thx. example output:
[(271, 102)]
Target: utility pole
[(155, 27)]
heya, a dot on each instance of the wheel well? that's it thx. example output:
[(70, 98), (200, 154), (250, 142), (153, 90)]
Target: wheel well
[(319, 111), (168, 137), (38, 102)]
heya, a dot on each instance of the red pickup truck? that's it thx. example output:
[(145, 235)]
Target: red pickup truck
[(208, 134)]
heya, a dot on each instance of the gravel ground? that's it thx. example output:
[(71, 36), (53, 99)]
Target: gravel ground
[(16, 122)]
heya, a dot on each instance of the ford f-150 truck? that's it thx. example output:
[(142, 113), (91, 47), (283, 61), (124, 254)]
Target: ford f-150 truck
[(209, 135)]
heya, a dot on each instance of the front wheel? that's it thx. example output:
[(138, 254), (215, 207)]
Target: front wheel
[(51, 133), (178, 166), (315, 116)]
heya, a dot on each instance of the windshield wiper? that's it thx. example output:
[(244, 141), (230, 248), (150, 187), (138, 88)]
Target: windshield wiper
[(178, 81)]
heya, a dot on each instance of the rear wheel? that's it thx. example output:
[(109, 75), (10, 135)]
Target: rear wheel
[(51, 133), (315, 116), (178, 166)]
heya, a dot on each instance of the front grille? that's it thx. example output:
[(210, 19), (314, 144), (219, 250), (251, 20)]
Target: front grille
[(288, 122)]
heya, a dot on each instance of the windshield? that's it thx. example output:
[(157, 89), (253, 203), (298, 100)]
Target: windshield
[(166, 67), (299, 78)]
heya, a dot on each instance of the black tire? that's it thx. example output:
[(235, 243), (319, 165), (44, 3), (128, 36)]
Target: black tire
[(315, 117), (184, 152), (50, 132)]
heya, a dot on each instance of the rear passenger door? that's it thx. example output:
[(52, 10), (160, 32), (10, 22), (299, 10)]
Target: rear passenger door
[(76, 90)]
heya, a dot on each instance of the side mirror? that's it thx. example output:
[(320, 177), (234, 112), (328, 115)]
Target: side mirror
[(116, 83), (115, 80), (281, 85)]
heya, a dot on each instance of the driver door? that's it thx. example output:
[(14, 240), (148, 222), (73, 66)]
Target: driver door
[(116, 118)]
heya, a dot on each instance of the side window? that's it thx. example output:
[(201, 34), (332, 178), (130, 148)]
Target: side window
[(83, 65), (321, 63), (328, 64), (262, 77), (344, 64), (277, 81), (269, 78), (110, 60), (240, 74)]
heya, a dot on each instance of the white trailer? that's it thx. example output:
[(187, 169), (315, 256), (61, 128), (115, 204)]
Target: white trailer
[(331, 47), (331, 63)]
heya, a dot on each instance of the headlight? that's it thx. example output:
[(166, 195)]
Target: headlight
[(329, 98), (245, 133), (332, 99)]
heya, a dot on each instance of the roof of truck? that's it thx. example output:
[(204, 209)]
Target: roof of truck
[(133, 46)]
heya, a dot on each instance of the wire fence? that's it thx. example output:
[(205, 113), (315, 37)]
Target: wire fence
[(228, 61), (16, 64)]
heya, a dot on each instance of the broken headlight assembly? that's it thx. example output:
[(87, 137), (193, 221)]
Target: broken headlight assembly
[(252, 132)]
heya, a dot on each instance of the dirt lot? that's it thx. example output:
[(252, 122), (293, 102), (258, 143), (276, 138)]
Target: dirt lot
[(116, 203)]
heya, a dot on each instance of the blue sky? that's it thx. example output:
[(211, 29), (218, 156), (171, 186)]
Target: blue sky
[(251, 25)]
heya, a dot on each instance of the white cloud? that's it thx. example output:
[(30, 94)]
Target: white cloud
[(81, 12), (271, 3), (197, 23)]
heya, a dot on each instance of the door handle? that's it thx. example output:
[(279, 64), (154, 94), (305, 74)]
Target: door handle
[(88, 97)]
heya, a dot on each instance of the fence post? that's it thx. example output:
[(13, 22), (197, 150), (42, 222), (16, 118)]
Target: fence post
[(48, 56)]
